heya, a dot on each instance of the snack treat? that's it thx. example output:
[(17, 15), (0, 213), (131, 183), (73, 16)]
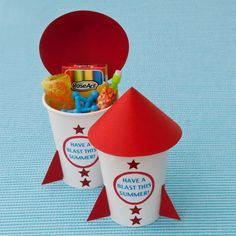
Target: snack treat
[(83, 104), (115, 80), (108, 95), (61, 94), (58, 91)]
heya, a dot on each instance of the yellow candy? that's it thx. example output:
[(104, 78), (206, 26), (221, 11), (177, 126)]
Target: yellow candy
[(102, 86)]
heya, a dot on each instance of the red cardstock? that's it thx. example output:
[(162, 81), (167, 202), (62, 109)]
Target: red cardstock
[(83, 38), (134, 127), (54, 172), (101, 208), (167, 208)]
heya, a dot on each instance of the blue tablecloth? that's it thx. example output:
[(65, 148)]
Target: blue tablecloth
[(183, 58)]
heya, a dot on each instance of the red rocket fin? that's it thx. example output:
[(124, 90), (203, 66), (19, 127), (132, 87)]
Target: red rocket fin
[(54, 172), (101, 207), (167, 208)]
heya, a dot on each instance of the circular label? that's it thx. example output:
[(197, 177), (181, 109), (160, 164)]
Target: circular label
[(80, 152), (134, 187)]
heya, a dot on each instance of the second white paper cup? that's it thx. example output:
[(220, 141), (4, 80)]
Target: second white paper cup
[(79, 159), (133, 187)]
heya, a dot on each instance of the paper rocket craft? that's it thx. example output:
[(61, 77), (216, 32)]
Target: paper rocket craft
[(79, 37), (132, 139)]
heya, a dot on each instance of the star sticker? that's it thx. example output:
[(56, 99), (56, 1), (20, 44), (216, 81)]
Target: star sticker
[(85, 182), (78, 129), (136, 220), (135, 210), (84, 172), (133, 164)]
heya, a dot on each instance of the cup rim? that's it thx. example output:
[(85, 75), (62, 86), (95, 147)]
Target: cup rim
[(94, 113)]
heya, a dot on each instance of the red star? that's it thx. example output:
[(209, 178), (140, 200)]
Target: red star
[(84, 172), (78, 129), (135, 210), (85, 182), (136, 220), (133, 164)]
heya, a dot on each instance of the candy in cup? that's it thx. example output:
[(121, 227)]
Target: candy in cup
[(109, 93), (57, 90)]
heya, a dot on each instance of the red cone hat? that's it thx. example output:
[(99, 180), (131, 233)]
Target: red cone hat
[(134, 127)]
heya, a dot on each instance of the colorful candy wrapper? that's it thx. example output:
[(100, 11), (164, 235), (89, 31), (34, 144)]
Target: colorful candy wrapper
[(86, 78)]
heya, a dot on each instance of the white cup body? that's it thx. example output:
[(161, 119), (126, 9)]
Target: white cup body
[(129, 187), (75, 151)]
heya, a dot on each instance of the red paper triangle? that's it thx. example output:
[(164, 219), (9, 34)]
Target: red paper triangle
[(101, 207), (54, 172), (136, 127), (167, 208), (84, 37)]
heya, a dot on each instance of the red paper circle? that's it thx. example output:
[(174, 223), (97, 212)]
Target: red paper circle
[(84, 37)]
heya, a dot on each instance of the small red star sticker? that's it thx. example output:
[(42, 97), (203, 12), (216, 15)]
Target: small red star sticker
[(135, 210), (78, 129), (85, 182), (136, 220), (133, 164), (84, 172)]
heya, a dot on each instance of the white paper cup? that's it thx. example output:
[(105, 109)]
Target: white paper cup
[(130, 188), (79, 159)]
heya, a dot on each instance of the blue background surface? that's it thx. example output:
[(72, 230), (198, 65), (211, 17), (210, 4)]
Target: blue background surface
[(183, 58)]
